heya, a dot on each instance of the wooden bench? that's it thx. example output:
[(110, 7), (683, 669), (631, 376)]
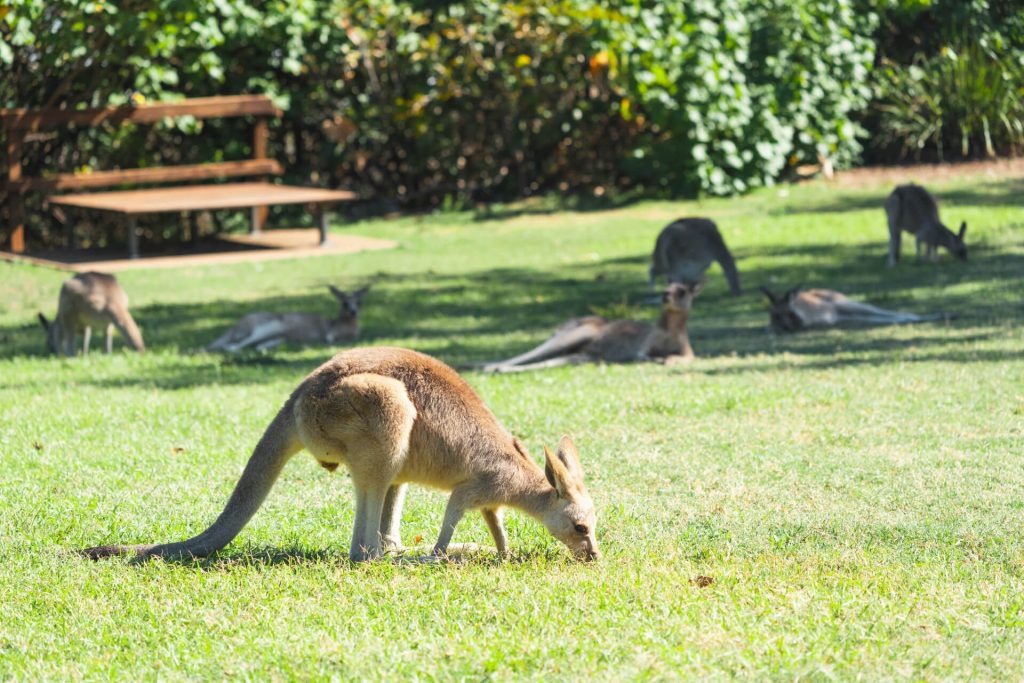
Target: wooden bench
[(127, 205)]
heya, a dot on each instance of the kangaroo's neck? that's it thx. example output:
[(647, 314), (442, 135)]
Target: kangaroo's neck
[(523, 485), (671, 337)]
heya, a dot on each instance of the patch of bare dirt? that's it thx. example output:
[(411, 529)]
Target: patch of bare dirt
[(872, 176)]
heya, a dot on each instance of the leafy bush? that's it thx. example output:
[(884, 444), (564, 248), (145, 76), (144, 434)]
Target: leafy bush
[(427, 103), (971, 103)]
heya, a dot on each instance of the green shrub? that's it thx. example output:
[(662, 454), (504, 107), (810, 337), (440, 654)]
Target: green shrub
[(969, 102)]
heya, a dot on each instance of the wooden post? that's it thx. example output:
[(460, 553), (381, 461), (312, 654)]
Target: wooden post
[(15, 202), (133, 238), (260, 133)]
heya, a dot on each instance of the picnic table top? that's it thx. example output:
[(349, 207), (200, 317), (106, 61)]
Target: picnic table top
[(201, 197)]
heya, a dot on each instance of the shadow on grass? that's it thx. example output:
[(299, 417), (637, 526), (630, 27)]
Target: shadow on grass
[(999, 193), (293, 555), (471, 317)]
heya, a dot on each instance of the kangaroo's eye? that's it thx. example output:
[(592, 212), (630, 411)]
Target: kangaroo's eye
[(581, 528)]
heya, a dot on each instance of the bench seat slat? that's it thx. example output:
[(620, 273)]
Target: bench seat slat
[(202, 197)]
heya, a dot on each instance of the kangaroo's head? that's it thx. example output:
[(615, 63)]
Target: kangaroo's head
[(955, 242), (51, 333), (678, 296), (783, 317), (570, 516), (349, 302)]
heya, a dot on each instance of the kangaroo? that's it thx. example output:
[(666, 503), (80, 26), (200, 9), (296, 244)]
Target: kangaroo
[(395, 416), (797, 310), (913, 209), (267, 330), (684, 250), (594, 339), (90, 300)]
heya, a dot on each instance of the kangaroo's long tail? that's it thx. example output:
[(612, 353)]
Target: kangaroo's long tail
[(280, 441), (868, 313), (125, 324), (569, 338)]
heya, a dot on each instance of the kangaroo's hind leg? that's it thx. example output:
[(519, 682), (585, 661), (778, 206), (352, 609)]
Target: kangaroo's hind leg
[(493, 517), (391, 517), (86, 338), (109, 341), (364, 420)]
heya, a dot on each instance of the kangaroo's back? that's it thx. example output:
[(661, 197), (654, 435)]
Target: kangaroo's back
[(912, 208), (685, 248)]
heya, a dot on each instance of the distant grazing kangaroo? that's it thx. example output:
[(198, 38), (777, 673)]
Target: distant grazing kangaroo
[(90, 300), (267, 330), (684, 250), (593, 338), (394, 416), (913, 209), (797, 310)]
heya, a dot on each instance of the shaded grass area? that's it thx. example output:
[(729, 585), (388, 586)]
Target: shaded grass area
[(834, 504)]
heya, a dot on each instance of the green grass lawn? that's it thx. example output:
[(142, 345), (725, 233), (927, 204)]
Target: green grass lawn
[(857, 496)]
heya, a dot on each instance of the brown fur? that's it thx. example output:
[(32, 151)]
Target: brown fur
[(594, 339), (913, 209), (686, 247), (266, 330), (394, 417), (91, 300), (796, 310)]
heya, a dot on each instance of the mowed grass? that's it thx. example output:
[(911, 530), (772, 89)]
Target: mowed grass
[(855, 497)]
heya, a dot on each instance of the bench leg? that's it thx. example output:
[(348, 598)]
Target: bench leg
[(69, 229), (133, 237), (321, 218)]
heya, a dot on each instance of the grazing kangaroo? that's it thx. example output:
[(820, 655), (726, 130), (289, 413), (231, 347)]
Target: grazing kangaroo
[(394, 416), (913, 209), (90, 300), (266, 330), (594, 339), (684, 250), (798, 310)]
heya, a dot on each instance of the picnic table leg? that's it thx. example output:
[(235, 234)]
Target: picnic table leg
[(321, 216), (133, 238), (257, 217), (193, 229)]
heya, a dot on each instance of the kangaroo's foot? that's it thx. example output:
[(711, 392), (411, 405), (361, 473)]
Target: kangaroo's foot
[(678, 359), (392, 544)]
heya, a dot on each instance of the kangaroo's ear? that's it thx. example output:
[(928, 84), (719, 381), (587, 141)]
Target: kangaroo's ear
[(359, 293), (44, 322), (963, 231), (772, 296), (557, 474), (696, 287), (570, 457), (338, 294), (792, 293)]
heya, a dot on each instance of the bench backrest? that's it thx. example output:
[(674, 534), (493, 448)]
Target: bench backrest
[(17, 124)]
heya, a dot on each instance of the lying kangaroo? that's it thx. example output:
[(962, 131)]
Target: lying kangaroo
[(90, 300), (394, 416), (593, 338), (913, 208), (684, 250), (267, 330), (797, 310)]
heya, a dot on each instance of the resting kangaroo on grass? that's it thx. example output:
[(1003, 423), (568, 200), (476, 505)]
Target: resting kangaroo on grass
[(90, 300), (797, 310), (394, 416), (913, 209), (266, 330), (595, 339), (684, 250)]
